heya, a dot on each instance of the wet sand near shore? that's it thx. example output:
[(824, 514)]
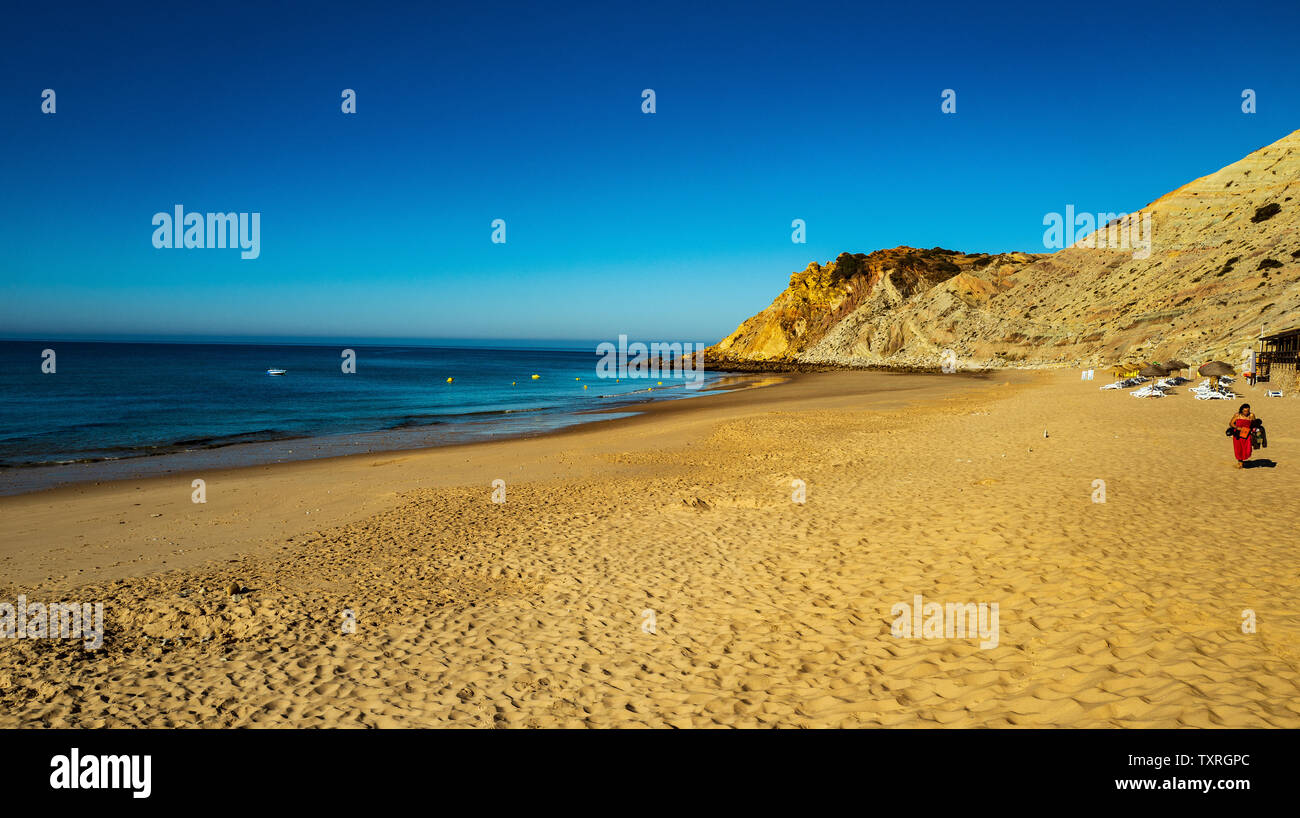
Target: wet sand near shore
[(536, 612)]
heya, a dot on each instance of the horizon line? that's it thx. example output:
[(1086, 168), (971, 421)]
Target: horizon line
[(310, 340)]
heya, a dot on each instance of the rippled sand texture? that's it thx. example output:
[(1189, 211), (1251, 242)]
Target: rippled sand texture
[(534, 613)]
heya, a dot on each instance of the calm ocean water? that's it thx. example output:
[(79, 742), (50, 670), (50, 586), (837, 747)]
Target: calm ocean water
[(119, 402)]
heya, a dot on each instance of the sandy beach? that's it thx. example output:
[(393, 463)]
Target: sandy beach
[(655, 571)]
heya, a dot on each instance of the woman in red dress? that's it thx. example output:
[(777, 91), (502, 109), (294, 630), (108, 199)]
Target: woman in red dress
[(1241, 442)]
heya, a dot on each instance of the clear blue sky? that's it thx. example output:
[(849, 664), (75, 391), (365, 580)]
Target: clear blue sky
[(668, 226)]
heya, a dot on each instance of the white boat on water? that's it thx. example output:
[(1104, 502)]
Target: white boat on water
[(276, 371)]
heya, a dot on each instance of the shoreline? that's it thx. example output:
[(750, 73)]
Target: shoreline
[(20, 480), (376, 479), (24, 479)]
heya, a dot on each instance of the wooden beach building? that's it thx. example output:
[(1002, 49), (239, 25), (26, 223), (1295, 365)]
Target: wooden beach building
[(1277, 354)]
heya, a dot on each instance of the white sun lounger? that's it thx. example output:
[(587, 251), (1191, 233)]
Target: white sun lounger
[(1123, 384), (1152, 391)]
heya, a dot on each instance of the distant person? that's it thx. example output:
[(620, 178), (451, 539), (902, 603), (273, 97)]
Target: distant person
[(1241, 426)]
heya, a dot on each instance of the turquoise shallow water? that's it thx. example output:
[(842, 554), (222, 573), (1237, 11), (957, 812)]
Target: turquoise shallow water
[(110, 402)]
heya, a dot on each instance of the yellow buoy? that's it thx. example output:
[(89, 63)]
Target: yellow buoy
[(449, 380), (577, 379), (584, 386), (535, 377), (661, 383), (512, 383)]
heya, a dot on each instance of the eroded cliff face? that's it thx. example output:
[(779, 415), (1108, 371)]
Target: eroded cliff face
[(1224, 263)]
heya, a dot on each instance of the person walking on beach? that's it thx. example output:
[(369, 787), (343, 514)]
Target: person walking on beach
[(1242, 423)]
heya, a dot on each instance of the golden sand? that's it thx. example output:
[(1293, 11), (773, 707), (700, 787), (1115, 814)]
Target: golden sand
[(536, 612)]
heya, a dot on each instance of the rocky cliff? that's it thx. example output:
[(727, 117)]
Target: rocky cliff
[(1223, 261)]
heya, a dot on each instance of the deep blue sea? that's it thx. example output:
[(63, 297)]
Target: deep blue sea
[(125, 401)]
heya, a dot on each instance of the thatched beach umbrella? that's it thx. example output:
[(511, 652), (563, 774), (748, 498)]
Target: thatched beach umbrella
[(1177, 366), (1153, 371), (1215, 370)]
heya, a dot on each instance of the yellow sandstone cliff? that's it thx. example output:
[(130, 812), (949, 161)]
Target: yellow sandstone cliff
[(1224, 263)]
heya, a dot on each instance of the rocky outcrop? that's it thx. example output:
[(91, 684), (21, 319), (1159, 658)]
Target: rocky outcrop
[(1223, 263)]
